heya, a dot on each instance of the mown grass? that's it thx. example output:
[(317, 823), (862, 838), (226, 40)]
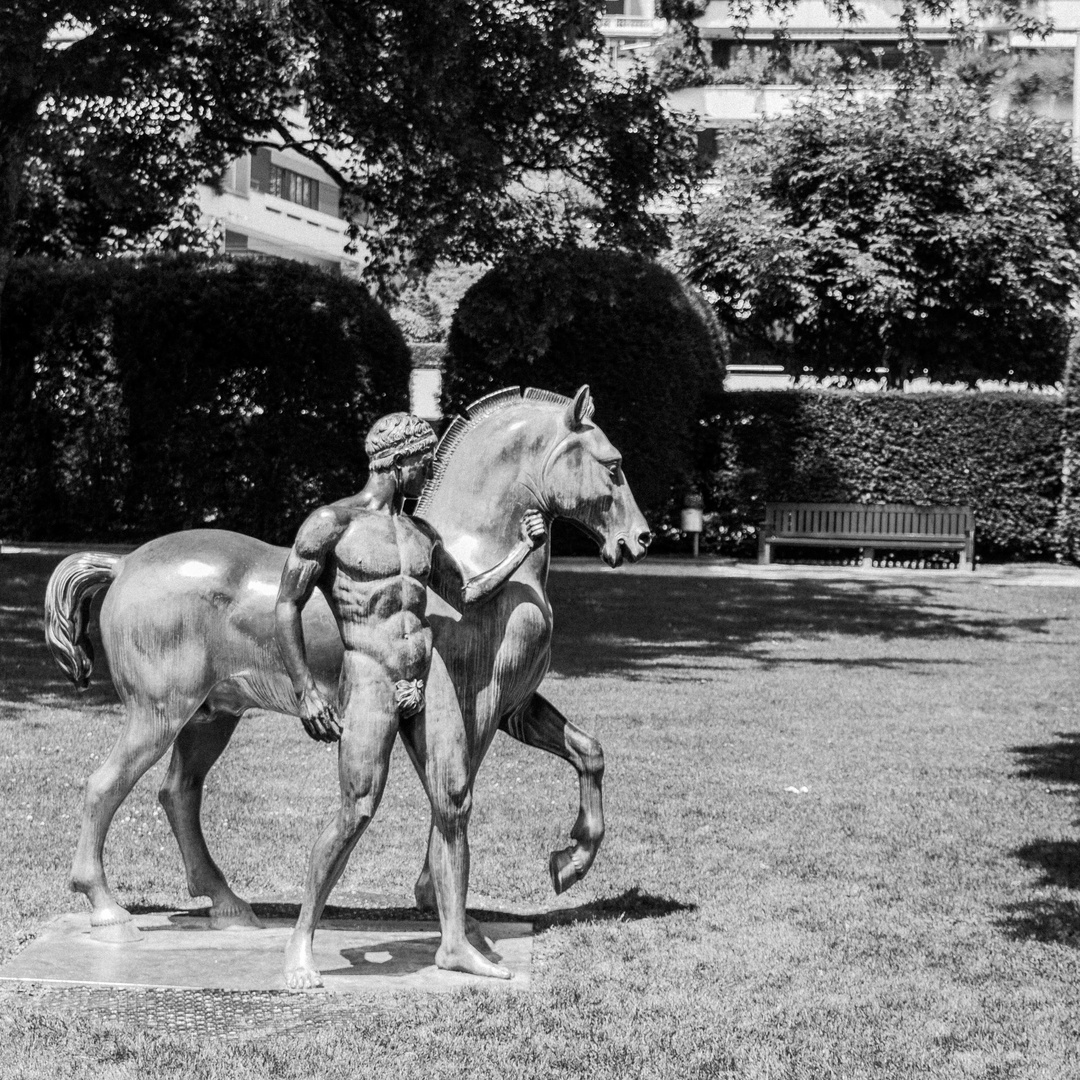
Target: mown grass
[(910, 909)]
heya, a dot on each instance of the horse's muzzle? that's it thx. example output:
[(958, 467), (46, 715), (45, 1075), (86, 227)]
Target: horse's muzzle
[(630, 549)]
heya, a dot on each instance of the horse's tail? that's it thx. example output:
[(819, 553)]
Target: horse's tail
[(67, 610)]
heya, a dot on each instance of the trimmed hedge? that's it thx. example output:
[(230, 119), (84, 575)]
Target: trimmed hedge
[(999, 452), (1068, 522), (147, 397), (646, 344)]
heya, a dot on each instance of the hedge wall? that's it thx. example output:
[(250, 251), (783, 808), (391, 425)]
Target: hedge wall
[(648, 346), (143, 398), (999, 452)]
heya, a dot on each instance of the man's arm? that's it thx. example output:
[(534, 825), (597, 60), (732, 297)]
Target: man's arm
[(303, 568), (532, 531)]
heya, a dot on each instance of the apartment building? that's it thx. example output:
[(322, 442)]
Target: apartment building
[(875, 40), (274, 202)]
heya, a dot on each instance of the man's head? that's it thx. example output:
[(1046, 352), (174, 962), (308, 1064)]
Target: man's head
[(404, 444)]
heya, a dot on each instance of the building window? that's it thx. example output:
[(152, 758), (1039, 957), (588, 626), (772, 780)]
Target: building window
[(291, 186)]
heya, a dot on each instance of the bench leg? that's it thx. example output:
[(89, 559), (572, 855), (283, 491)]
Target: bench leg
[(866, 559), (764, 551)]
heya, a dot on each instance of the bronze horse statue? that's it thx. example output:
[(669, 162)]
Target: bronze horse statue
[(187, 625)]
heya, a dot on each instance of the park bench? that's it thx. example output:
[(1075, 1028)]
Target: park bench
[(889, 526)]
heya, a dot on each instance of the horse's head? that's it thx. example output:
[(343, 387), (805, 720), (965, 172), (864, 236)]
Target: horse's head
[(583, 481)]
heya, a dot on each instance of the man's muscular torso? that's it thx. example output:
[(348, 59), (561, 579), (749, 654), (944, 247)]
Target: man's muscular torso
[(374, 573), (375, 579)]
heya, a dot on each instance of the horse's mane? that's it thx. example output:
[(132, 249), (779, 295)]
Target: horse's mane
[(497, 402)]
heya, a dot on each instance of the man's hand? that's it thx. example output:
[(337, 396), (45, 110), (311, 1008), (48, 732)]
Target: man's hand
[(533, 530), (319, 717)]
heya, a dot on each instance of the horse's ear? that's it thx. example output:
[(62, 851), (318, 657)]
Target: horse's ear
[(580, 409)]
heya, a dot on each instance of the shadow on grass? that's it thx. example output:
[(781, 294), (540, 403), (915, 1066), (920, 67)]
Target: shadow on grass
[(1049, 919), (629, 906), (29, 673), (605, 623), (1057, 762), (610, 623)]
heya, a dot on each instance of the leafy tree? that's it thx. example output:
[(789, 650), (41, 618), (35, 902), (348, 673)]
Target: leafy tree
[(463, 128), (110, 111), (911, 232), (443, 122)]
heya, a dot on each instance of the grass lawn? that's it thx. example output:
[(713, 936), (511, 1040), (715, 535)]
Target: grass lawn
[(842, 842)]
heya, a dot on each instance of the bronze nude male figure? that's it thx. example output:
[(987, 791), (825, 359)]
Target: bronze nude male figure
[(188, 624), (373, 564)]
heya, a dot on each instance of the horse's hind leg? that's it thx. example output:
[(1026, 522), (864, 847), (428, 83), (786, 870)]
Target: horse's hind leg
[(541, 725), (150, 728), (196, 749)]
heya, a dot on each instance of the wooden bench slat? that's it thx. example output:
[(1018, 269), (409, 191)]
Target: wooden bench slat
[(868, 525)]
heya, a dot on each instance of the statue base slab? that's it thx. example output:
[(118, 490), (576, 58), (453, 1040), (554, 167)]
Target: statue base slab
[(180, 951)]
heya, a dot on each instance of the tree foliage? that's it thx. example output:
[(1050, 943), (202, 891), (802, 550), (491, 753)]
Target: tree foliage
[(631, 329), (464, 128), (915, 233), (109, 112)]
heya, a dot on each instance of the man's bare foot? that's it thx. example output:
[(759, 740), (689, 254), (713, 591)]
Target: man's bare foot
[(469, 959), (234, 914), (300, 970)]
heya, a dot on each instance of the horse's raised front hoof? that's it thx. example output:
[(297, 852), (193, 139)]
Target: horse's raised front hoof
[(114, 926), (469, 959), (235, 914), (564, 870)]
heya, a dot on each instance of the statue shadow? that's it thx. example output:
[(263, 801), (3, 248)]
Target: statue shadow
[(629, 906), (1057, 862), (614, 622)]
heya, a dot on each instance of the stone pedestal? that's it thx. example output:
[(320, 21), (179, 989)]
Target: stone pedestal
[(180, 951)]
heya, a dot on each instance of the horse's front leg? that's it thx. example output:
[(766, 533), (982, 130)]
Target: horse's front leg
[(541, 725)]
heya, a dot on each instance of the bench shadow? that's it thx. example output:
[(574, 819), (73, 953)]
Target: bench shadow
[(1057, 862)]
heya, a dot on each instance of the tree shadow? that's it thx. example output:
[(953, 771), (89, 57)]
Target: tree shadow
[(1049, 919), (610, 622), (606, 623), (1056, 762)]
